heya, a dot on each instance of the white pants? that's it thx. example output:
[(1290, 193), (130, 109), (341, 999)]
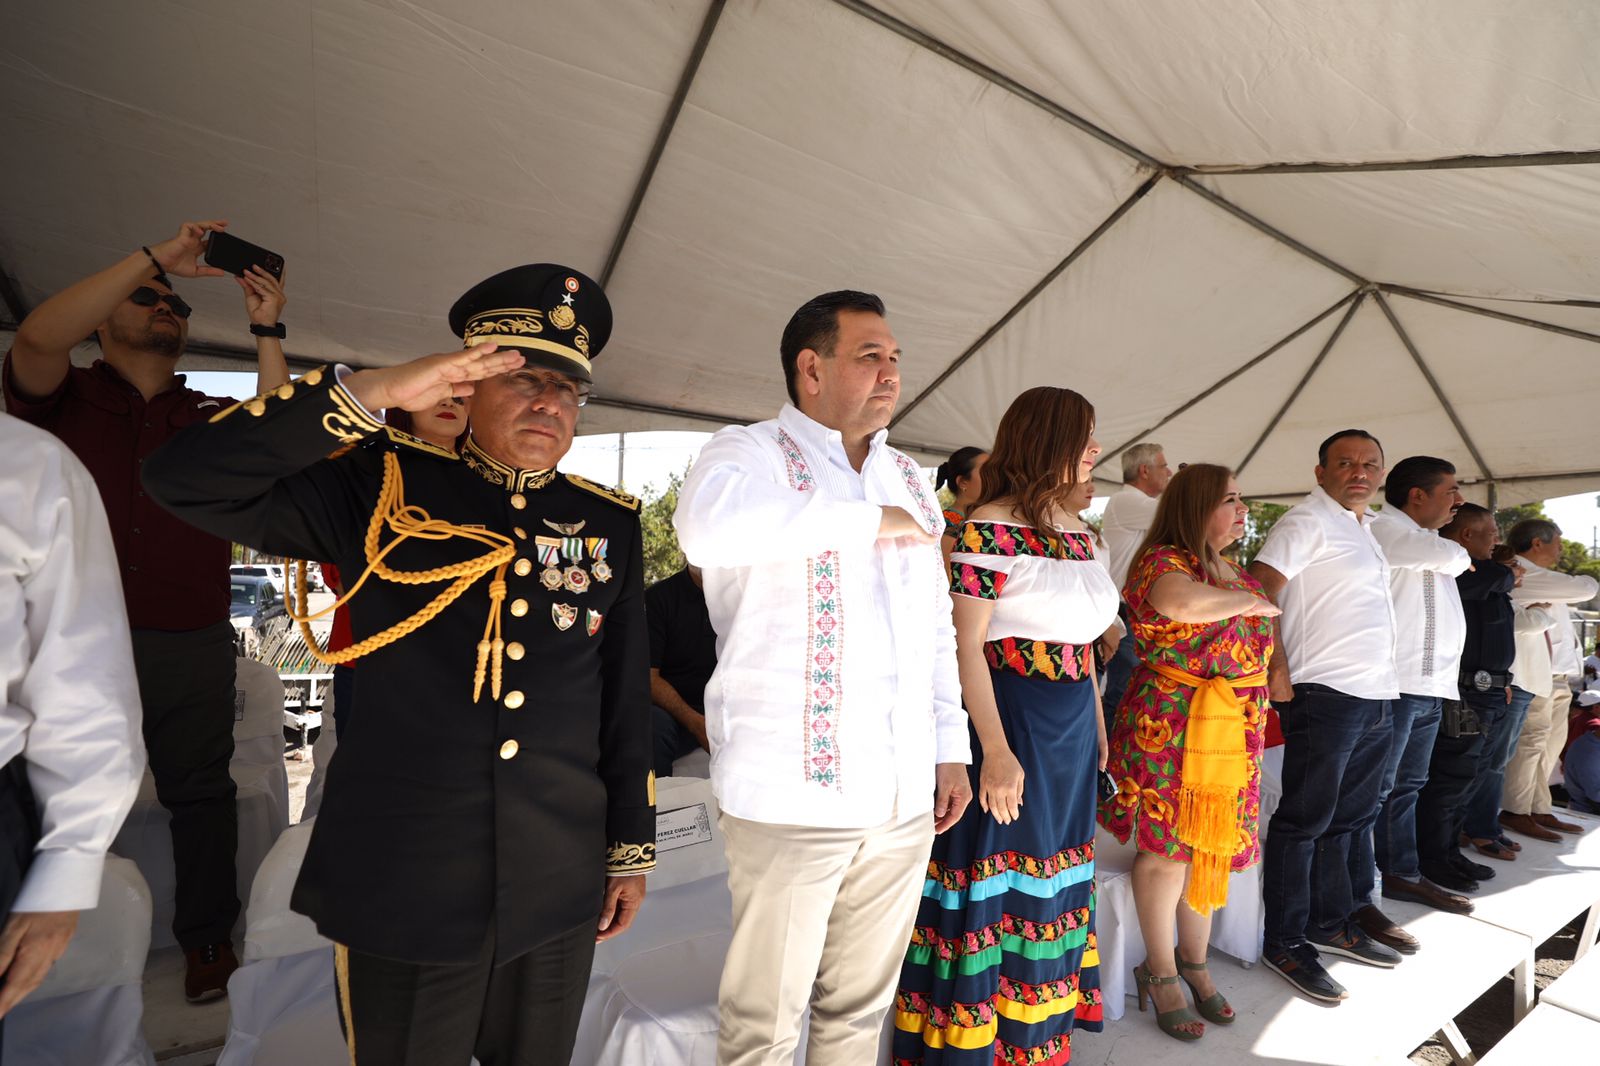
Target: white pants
[(1544, 734), (821, 918)]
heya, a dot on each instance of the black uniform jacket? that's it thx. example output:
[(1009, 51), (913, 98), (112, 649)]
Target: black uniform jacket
[(446, 820)]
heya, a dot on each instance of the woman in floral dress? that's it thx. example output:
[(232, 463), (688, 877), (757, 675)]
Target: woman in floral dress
[(1203, 638), (962, 474), (1002, 964)]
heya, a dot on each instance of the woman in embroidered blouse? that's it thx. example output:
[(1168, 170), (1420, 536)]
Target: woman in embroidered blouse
[(1002, 963), (1186, 747), (962, 473)]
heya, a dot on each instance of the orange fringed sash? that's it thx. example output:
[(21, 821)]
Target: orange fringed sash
[(1216, 770)]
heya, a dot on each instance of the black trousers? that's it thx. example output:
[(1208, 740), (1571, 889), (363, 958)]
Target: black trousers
[(186, 687), (517, 1012), (19, 835), (1441, 810)]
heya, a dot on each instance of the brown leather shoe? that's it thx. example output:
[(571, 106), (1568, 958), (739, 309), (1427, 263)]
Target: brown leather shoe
[(1425, 893), (1550, 821), (1379, 927), (1524, 824), (208, 971)]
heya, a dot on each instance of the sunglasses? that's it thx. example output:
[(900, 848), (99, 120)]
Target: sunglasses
[(145, 296)]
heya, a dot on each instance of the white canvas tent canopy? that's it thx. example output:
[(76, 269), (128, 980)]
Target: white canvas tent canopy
[(1234, 225)]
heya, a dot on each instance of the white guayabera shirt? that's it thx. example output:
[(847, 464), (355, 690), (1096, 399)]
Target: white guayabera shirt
[(836, 689), (1431, 628), (71, 699)]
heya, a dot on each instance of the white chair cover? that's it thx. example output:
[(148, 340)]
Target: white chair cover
[(272, 930), (262, 781), (258, 729), (90, 1008), (695, 764), (321, 753)]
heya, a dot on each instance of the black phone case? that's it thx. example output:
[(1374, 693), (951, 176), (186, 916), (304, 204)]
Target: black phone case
[(227, 252)]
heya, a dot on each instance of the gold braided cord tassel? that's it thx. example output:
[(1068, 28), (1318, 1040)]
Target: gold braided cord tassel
[(407, 522)]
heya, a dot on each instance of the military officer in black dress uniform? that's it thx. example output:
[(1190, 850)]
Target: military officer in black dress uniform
[(490, 814)]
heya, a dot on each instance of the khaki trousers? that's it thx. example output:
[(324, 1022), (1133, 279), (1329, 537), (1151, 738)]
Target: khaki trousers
[(1527, 787), (821, 918)]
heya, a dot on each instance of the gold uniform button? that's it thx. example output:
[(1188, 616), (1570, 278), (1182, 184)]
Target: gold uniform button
[(518, 500), (513, 700), (522, 534), (524, 567), (509, 749), (519, 607), (515, 651)]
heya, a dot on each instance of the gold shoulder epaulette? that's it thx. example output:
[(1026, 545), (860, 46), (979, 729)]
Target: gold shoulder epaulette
[(621, 499), (406, 440)]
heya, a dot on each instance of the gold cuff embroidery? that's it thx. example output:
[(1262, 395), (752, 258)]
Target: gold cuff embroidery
[(350, 423), (624, 859)]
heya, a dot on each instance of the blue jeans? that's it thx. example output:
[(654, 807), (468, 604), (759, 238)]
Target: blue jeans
[(1334, 751), (1582, 771), (670, 743), (1482, 801), (1414, 723)]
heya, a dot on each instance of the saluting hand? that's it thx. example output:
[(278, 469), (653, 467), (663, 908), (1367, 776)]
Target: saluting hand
[(422, 383)]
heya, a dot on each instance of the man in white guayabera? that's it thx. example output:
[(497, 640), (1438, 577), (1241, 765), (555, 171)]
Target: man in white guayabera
[(838, 742)]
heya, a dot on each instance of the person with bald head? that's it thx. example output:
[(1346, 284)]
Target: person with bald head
[(113, 415)]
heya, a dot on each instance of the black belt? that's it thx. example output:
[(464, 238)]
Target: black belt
[(1484, 680)]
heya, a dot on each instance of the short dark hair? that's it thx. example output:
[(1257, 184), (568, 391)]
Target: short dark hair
[(1467, 512), (959, 465), (816, 326), (1415, 472), (1522, 535), (1322, 449)]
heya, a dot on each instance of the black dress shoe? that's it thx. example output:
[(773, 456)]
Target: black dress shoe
[(1300, 966), (1447, 877), (1477, 871)]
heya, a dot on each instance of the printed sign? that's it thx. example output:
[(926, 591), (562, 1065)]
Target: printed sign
[(682, 828)]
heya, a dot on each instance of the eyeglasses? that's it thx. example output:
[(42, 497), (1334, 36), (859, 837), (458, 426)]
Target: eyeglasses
[(568, 393), (145, 296)]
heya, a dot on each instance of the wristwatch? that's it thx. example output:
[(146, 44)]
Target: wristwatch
[(274, 330)]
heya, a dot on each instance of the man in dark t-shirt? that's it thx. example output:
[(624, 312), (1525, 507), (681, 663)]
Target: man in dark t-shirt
[(683, 654), (174, 577)]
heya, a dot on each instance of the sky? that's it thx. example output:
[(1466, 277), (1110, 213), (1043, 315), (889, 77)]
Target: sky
[(650, 459)]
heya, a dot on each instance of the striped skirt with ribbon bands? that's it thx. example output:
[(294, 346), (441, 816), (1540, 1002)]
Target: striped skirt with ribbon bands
[(1002, 965)]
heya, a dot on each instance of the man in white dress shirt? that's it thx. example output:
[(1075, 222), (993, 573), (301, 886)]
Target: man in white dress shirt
[(838, 742), (1525, 801), (1332, 680), (1128, 517), (70, 750), (1421, 496)]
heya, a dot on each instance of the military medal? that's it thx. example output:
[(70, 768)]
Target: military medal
[(592, 622), (566, 529), (597, 550), (549, 549), (563, 615), (575, 579)]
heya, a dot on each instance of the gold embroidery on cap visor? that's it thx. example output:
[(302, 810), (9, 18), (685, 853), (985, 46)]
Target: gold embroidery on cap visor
[(517, 327)]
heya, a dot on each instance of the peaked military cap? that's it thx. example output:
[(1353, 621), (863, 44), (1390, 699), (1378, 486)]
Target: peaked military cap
[(557, 316)]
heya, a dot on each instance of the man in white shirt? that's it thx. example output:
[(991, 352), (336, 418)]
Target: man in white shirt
[(1421, 496), (838, 742), (1128, 517), (70, 750), (1525, 801), (1333, 679)]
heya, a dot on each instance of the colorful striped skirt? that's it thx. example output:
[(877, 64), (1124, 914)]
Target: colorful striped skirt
[(1002, 965)]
